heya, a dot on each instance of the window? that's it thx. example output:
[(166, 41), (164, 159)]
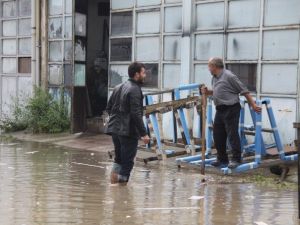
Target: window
[(121, 24), (122, 4), (152, 75), (9, 65), (80, 25), (147, 49), (172, 1), (208, 45), (9, 28), (118, 74), (55, 7), (172, 45), (55, 28), (55, 51), (121, 49), (171, 75), (173, 19), (24, 7), (9, 47), (55, 75), (79, 75), (148, 2), (243, 46), (24, 46), (80, 49), (68, 54), (202, 75), (282, 44), (9, 9), (148, 22), (68, 74), (210, 16), (24, 65), (25, 27), (244, 13), (274, 12), (275, 75), (246, 73)]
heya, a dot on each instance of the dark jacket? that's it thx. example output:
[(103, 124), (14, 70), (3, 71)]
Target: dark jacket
[(125, 109)]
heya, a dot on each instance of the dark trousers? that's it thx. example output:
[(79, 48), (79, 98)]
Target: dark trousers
[(125, 152), (226, 125)]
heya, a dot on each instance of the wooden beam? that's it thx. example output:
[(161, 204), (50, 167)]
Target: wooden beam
[(164, 107)]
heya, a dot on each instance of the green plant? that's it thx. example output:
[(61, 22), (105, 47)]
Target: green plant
[(17, 119), (40, 114), (46, 114)]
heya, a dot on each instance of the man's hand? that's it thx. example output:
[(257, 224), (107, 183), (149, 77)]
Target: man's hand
[(256, 108), (146, 139), (204, 90), (252, 103)]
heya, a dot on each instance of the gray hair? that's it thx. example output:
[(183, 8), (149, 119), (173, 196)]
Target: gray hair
[(217, 62)]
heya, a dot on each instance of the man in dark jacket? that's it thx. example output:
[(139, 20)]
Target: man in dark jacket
[(125, 109)]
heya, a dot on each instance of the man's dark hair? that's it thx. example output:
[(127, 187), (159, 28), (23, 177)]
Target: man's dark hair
[(135, 67)]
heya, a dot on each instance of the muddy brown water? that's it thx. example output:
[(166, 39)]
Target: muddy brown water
[(46, 184)]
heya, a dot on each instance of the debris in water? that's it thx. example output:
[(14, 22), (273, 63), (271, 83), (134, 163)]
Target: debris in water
[(260, 223), (31, 152), (145, 171), (196, 197), (171, 208), (9, 144), (251, 197), (83, 164)]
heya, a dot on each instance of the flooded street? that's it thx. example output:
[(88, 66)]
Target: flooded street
[(46, 184)]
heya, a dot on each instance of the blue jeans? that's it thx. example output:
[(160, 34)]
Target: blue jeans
[(125, 152)]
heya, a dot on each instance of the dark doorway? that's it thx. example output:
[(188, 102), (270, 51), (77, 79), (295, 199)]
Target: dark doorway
[(90, 91), (97, 55)]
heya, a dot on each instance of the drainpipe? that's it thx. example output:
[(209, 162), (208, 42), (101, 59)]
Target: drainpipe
[(37, 42), (33, 42), (35, 49)]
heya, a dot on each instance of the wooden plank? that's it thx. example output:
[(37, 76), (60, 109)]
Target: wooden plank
[(171, 105), (297, 125)]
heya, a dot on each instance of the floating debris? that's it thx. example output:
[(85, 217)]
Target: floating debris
[(8, 144), (171, 208), (31, 152), (196, 197), (260, 223), (83, 164), (145, 171)]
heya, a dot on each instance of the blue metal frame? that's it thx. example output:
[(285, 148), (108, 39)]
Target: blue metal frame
[(258, 146), (156, 131), (209, 137), (190, 87)]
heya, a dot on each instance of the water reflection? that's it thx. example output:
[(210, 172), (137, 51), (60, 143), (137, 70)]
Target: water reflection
[(44, 184)]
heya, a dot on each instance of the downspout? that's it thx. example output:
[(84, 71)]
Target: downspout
[(33, 42), (37, 42)]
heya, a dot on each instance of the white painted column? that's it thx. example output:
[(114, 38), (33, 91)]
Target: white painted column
[(33, 41), (186, 56), (298, 92)]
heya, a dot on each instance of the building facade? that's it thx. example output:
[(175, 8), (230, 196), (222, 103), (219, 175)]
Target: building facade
[(70, 40)]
